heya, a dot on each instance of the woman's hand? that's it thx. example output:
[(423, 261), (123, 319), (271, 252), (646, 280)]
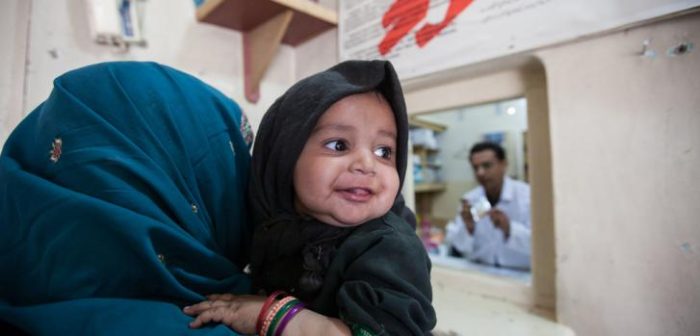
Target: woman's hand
[(238, 312)]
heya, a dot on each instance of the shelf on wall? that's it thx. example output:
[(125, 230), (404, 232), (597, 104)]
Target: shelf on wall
[(420, 149), (429, 187), (310, 18), (426, 192), (415, 122), (266, 24)]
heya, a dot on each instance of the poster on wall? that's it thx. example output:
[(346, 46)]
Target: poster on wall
[(425, 36)]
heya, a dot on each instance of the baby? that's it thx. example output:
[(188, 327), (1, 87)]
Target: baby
[(330, 247)]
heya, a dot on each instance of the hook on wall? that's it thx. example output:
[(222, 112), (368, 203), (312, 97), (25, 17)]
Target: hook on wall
[(646, 50), (680, 49)]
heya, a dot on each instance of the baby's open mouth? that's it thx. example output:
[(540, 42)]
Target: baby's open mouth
[(356, 194)]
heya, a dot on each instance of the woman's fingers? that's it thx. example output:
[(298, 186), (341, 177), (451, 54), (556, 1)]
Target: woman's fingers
[(239, 312), (198, 308), (211, 315), (216, 314)]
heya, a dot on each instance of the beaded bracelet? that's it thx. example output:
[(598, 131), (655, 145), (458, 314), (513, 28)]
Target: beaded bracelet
[(271, 314), (268, 302), (288, 317)]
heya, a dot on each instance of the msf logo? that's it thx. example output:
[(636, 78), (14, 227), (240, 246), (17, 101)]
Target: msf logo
[(403, 15)]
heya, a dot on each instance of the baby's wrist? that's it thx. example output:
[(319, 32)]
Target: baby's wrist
[(278, 310)]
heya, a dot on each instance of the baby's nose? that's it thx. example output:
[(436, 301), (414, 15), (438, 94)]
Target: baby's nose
[(364, 162)]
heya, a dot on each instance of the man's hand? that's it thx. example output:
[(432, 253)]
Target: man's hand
[(467, 216), (500, 220)]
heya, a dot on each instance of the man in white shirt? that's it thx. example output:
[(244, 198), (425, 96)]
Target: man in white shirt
[(500, 236)]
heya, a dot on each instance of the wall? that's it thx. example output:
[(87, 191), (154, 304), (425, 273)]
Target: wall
[(321, 50), (50, 37), (625, 133), (14, 27), (543, 205)]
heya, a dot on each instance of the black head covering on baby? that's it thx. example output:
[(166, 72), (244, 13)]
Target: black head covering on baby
[(291, 252)]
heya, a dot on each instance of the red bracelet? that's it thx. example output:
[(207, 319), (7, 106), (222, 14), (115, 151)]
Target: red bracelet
[(268, 302)]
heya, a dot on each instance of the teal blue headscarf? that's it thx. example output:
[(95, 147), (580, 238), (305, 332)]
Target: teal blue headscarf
[(122, 197)]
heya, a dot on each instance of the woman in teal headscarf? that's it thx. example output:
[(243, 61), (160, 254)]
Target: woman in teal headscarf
[(122, 199)]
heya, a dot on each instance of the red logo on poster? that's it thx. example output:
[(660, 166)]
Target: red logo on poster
[(403, 15)]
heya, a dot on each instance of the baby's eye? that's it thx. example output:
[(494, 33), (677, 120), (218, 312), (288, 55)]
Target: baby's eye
[(383, 152), (336, 145)]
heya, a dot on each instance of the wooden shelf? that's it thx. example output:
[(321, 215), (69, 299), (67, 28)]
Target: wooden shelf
[(415, 122), (310, 18), (426, 191), (422, 149), (265, 24), (429, 187)]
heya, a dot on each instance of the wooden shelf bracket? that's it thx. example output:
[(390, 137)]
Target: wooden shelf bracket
[(259, 48), (265, 24)]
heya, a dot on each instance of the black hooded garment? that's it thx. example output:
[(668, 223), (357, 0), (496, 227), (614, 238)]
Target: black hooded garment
[(375, 276)]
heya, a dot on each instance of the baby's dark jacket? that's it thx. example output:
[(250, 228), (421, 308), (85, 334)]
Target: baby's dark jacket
[(379, 280)]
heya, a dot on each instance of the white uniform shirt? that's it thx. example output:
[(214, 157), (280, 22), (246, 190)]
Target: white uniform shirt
[(488, 244)]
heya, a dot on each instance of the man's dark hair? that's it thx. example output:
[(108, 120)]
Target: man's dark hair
[(486, 145)]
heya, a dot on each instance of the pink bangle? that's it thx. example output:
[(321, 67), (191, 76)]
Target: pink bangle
[(268, 302), (280, 328)]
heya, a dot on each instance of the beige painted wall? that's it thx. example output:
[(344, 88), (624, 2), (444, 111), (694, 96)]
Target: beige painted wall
[(544, 246), (316, 54), (623, 179), (50, 37), (14, 27), (625, 133)]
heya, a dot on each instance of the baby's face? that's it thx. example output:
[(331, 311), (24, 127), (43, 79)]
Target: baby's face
[(346, 173)]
